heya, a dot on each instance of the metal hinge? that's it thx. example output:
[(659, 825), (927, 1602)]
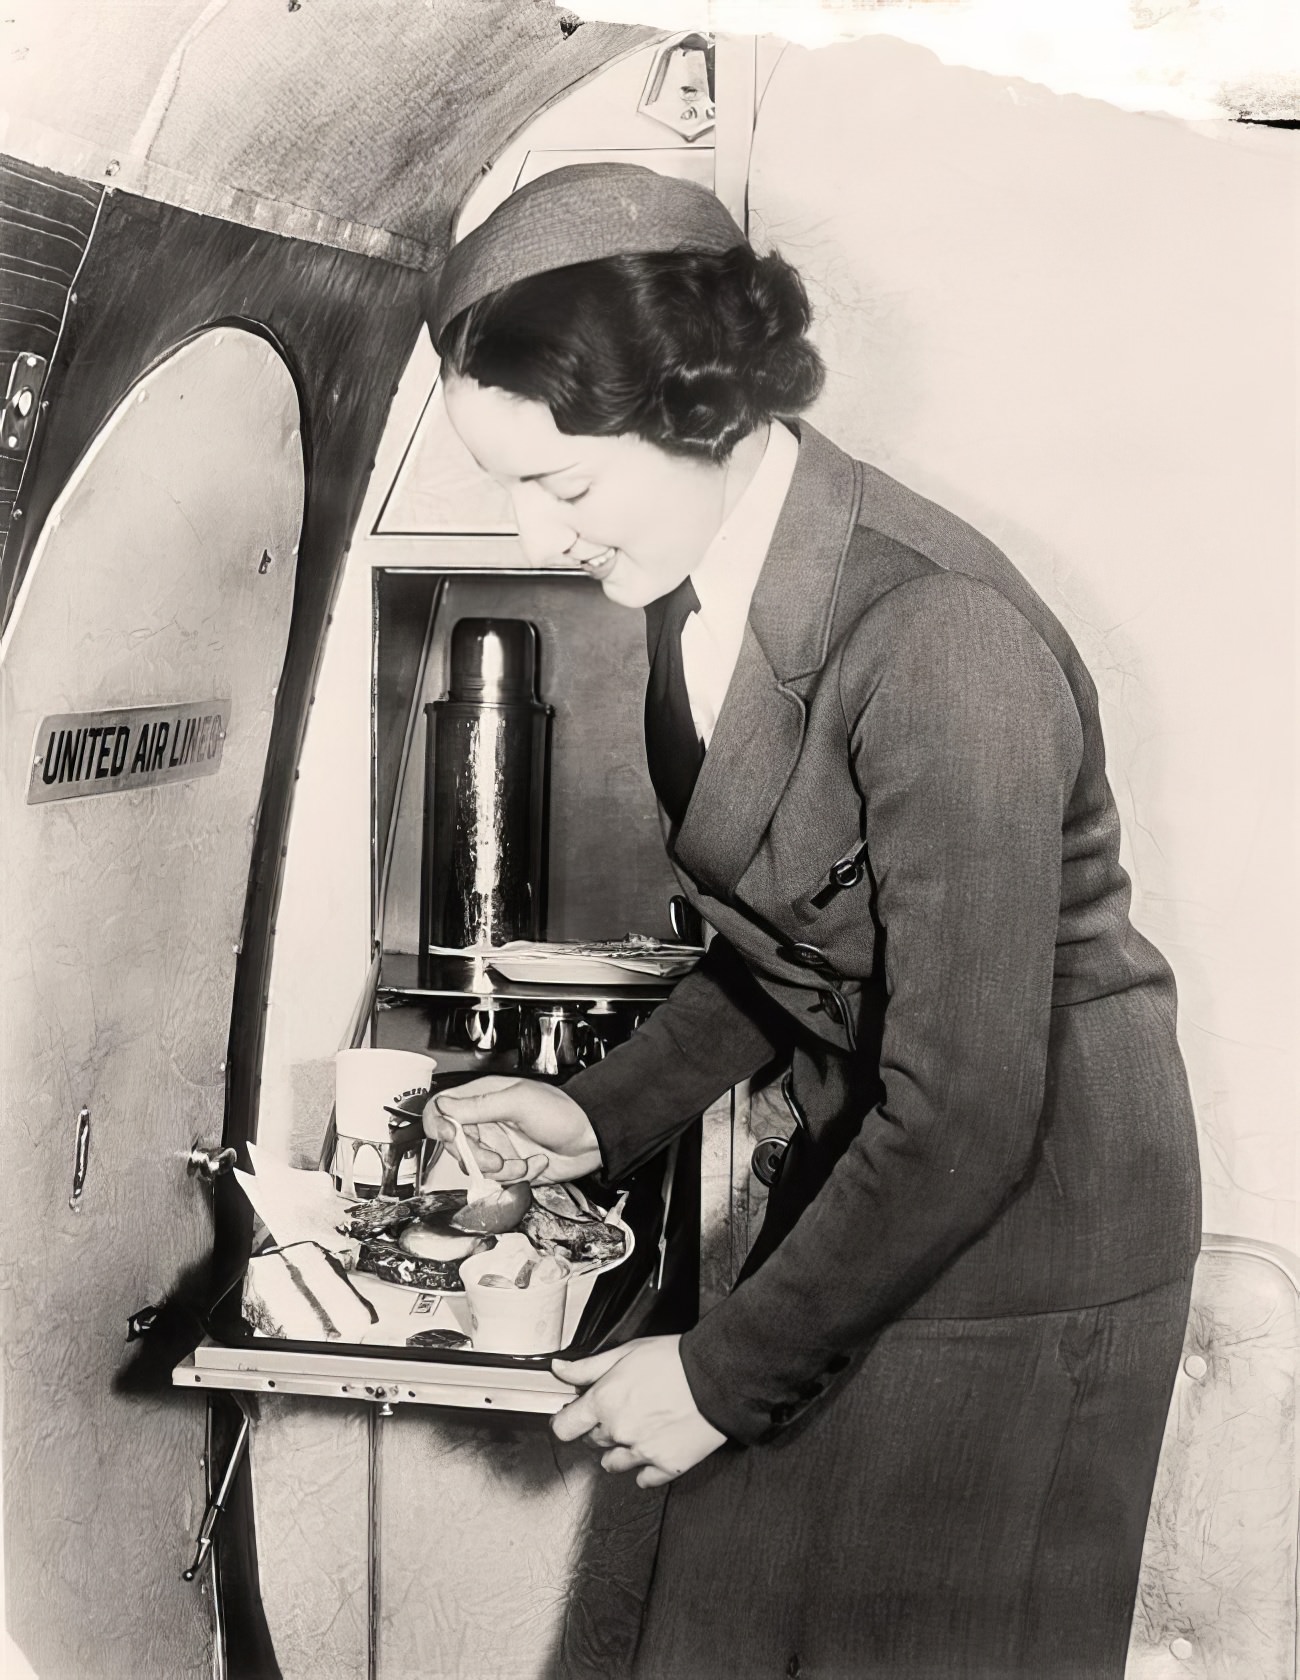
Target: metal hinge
[(22, 401)]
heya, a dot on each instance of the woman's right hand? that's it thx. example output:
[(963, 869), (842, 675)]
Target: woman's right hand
[(518, 1129)]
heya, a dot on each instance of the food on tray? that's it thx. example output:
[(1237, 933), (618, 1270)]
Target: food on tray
[(542, 1268), (446, 1211), (390, 1263), (500, 1210), (578, 1237), (438, 1339), (302, 1293), (409, 1241), (383, 1217), (435, 1244)]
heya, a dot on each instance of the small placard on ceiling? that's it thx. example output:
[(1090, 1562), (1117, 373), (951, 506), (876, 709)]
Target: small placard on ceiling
[(81, 753)]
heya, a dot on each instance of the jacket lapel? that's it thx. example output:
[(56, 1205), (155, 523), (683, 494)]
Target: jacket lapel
[(759, 732)]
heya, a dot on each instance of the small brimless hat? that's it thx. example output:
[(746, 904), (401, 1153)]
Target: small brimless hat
[(579, 214)]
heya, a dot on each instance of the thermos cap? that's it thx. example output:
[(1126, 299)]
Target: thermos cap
[(493, 659)]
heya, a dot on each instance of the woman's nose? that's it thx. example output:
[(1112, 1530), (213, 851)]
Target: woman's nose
[(545, 534)]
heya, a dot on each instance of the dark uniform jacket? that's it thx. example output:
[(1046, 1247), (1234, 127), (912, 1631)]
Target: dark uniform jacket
[(904, 836)]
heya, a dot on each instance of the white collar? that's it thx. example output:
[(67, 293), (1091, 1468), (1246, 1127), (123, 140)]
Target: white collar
[(727, 576)]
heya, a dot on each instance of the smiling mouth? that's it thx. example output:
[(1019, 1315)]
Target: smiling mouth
[(600, 565)]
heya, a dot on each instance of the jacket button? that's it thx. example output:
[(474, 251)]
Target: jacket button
[(765, 1162), (847, 872), (806, 956)]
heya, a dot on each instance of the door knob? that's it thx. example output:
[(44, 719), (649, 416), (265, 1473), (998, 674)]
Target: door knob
[(209, 1164)]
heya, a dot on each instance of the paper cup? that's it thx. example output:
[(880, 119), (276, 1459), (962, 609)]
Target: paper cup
[(529, 1320), (364, 1080)]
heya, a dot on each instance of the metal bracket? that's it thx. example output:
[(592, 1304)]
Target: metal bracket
[(141, 1323), (22, 401), (679, 91), (217, 1504), (209, 1164)]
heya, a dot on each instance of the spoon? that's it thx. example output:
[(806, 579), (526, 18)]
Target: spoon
[(480, 1188)]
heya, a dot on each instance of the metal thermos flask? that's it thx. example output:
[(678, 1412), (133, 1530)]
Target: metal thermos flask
[(487, 753)]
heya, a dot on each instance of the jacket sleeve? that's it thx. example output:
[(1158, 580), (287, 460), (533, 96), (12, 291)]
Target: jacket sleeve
[(965, 742), (717, 1028)]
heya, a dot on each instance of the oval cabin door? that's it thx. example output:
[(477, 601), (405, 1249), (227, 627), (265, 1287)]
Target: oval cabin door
[(139, 679)]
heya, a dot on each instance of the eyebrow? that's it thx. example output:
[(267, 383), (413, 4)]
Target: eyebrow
[(550, 472)]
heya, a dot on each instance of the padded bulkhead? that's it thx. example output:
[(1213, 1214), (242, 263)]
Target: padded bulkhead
[(45, 227), (1217, 1597)]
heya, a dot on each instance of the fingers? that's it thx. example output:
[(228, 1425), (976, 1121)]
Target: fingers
[(620, 1458), (492, 1098), (505, 1164), (575, 1420), (652, 1476), (583, 1372)]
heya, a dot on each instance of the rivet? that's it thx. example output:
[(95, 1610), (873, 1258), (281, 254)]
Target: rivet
[(31, 361), (72, 297), (38, 760), (113, 167), (141, 396), (18, 513), (221, 1066), (12, 442), (1182, 1649), (1195, 1366)]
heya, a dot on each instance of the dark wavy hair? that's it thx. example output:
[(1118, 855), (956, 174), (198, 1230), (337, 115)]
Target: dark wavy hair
[(689, 350)]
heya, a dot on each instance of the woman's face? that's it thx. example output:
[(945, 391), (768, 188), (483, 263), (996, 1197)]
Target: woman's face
[(628, 513)]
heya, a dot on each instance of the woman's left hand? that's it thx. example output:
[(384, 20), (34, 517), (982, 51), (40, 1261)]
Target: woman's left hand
[(637, 1404)]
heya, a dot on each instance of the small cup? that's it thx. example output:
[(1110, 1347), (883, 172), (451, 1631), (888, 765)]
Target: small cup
[(365, 1082), (528, 1320)]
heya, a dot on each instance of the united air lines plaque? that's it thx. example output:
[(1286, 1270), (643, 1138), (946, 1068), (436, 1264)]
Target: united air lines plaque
[(82, 753)]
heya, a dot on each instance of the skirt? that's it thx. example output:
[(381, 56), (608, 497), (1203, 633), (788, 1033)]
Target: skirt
[(969, 1503)]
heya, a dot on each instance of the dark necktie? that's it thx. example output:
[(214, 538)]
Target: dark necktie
[(673, 747)]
